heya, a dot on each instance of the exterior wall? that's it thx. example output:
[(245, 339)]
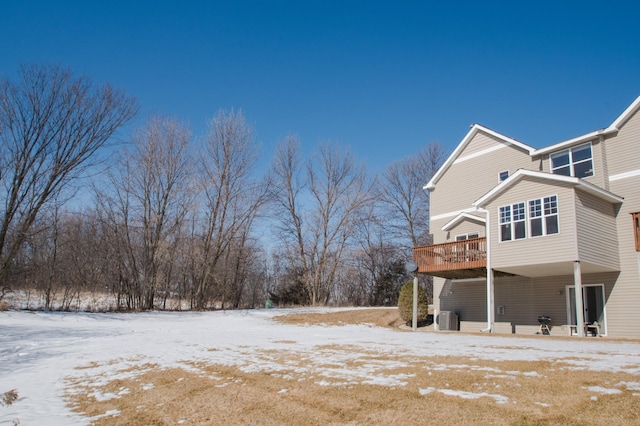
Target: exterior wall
[(467, 298), (591, 230), (540, 250), (438, 292), (623, 155), (472, 175), (597, 234), (466, 227), (523, 300), (599, 177)]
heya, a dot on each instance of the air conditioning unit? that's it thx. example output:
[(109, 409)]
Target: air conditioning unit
[(448, 320)]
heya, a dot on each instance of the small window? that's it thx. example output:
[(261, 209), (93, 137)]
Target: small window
[(502, 176), (577, 162), (470, 236)]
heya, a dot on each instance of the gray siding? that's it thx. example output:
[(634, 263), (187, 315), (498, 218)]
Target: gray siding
[(466, 227), (623, 150), (591, 230), (468, 299), (599, 176), (466, 181), (523, 299), (540, 250), (597, 234), (623, 155)]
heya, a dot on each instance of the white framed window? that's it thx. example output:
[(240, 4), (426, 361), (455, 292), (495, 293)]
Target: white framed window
[(543, 216), (577, 162), (502, 176), (512, 222), (469, 236)]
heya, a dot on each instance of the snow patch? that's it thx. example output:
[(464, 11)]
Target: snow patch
[(499, 399), (603, 391)]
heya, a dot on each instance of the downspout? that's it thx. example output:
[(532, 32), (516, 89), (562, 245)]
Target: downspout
[(490, 289)]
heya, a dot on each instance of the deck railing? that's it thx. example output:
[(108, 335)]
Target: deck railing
[(458, 255), (636, 229)]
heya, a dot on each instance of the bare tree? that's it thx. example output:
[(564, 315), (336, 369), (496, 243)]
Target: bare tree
[(407, 203), (51, 126), (317, 207), (402, 191), (233, 197), (147, 206)]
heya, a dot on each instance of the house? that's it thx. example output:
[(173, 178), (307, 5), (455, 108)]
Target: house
[(523, 236)]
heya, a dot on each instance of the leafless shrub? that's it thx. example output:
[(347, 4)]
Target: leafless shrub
[(9, 397)]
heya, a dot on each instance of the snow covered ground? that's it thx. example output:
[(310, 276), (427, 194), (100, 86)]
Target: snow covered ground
[(40, 351)]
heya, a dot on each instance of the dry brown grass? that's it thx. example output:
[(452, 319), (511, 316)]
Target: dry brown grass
[(379, 317), (301, 392)]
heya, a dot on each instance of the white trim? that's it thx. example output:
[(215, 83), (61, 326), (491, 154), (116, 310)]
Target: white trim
[(568, 287), (521, 173), (451, 214), (625, 175), (512, 222), (479, 153), (468, 280), (475, 129), (447, 226), (542, 217), (572, 162), (625, 115), (466, 236), (613, 128), (560, 146)]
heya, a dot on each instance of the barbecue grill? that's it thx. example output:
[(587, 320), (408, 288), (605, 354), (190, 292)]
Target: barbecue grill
[(544, 322)]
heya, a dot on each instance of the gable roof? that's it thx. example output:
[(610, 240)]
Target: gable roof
[(613, 128), (551, 178), (475, 129), (459, 218)]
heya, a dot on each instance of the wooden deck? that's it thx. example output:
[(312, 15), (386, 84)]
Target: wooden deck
[(459, 259)]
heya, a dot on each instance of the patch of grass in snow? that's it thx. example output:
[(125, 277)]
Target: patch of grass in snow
[(342, 384)]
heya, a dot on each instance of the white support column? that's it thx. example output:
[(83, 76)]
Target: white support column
[(491, 311), (577, 280), (491, 304), (414, 320)]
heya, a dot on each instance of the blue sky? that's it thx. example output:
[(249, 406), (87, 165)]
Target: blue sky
[(384, 78)]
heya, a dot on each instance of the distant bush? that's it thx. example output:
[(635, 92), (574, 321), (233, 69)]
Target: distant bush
[(405, 303), (8, 397)]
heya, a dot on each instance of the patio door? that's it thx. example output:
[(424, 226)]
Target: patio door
[(592, 305)]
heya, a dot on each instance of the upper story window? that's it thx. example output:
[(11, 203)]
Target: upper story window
[(503, 175), (543, 216), (512, 222), (542, 219), (577, 162)]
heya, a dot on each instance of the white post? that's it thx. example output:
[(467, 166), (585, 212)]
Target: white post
[(490, 275), (577, 280), (414, 322)]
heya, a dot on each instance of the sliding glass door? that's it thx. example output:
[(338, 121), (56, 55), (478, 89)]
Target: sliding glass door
[(592, 305)]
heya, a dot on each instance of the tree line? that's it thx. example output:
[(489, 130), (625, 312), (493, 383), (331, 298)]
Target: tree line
[(174, 222)]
